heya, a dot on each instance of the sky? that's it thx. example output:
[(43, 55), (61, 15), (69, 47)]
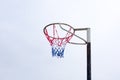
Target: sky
[(25, 53)]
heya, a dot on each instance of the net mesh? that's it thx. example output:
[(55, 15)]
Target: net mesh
[(58, 44), (58, 51)]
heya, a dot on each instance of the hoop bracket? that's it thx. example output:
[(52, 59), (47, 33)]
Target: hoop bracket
[(79, 29), (88, 32)]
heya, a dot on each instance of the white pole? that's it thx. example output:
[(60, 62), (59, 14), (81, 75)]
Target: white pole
[(88, 35)]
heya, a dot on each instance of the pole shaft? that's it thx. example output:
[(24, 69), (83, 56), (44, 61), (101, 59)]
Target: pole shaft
[(88, 61)]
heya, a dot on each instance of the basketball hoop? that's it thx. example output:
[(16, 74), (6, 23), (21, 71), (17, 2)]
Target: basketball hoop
[(59, 34), (58, 38)]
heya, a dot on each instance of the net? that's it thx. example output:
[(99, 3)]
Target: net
[(57, 41)]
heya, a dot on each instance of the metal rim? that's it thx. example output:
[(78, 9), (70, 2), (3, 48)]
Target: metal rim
[(59, 24)]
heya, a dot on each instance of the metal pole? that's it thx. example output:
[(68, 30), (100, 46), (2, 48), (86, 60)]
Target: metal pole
[(88, 61), (88, 55), (88, 52)]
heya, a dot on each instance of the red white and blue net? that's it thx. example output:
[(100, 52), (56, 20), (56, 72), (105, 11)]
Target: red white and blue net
[(59, 38)]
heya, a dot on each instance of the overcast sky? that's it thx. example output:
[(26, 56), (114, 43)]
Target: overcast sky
[(25, 53)]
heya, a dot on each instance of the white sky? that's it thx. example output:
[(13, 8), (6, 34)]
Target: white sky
[(25, 53)]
